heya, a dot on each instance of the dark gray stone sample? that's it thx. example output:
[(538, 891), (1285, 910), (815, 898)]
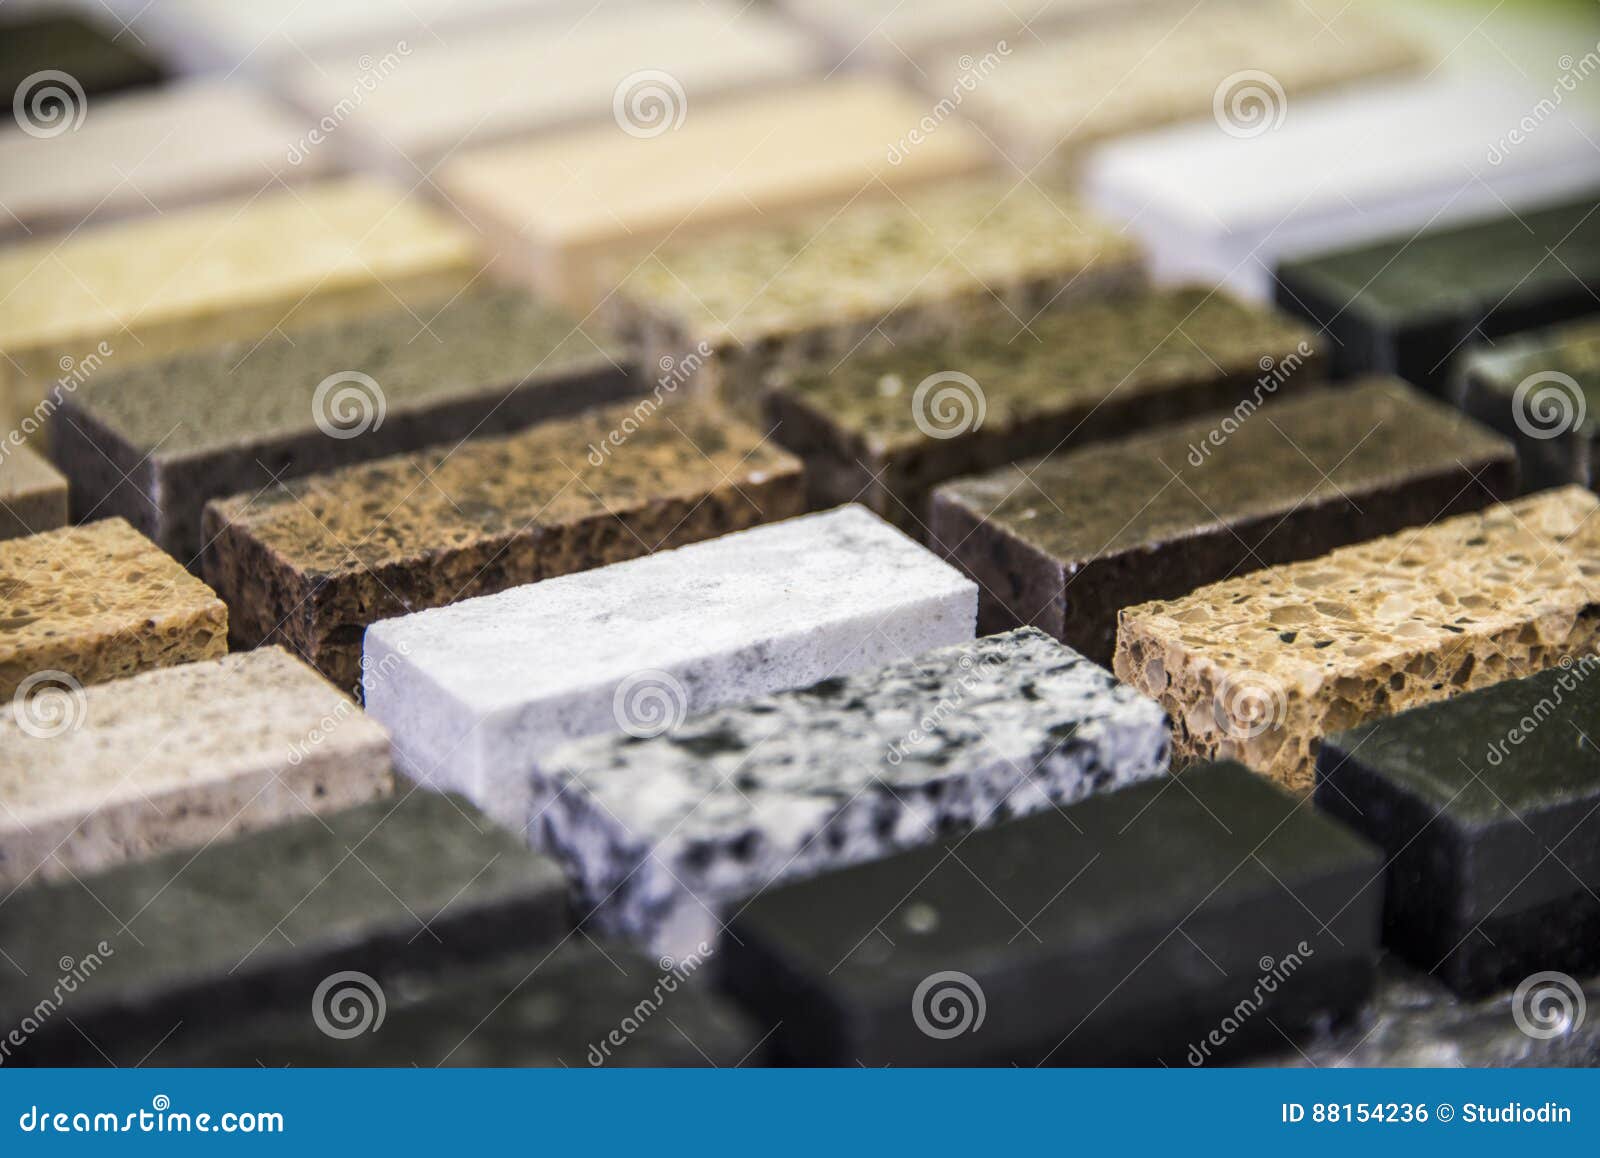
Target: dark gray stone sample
[(65, 41)]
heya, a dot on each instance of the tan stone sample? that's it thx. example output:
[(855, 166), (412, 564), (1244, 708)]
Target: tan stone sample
[(97, 602), (33, 494), (176, 759), (1259, 668)]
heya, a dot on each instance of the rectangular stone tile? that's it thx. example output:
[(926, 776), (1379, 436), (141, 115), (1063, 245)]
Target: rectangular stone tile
[(1066, 541), (310, 563), (1131, 928), (33, 494), (562, 206), (666, 837), (882, 429), (84, 47), (99, 601), (477, 693), (1488, 808), (233, 270), (156, 442), (176, 758), (1409, 305), (302, 917), (735, 311), (1261, 667)]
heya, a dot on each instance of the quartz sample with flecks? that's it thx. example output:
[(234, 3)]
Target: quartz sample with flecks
[(1260, 668), (882, 429), (156, 442), (311, 562), (33, 494), (177, 758), (96, 602), (477, 694), (664, 835), (1067, 541)]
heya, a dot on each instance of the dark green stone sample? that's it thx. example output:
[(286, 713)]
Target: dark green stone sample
[(1488, 806), (1122, 929), (83, 49)]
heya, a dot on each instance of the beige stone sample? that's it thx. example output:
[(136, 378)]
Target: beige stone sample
[(562, 204), (178, 758), (1259, 668), (33, 494), (98, 602)]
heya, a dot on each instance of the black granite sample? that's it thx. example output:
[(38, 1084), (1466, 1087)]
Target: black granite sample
[(163, 951), (1488, 806), (1170, 920), (97, 57), (1410, 305)]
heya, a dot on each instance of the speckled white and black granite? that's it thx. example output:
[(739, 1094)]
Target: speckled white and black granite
[(659, 833)]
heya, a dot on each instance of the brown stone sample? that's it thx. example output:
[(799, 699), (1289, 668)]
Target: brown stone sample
[(33, 494), (1260, 668)]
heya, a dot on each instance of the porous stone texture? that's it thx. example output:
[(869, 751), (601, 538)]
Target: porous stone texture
[(82, 47), (1067, 541), (476, 694), (1260, 668), (663, 836), (742, 310), (156, 442), (882, 429), (100, 601), (311, 563), (563, 209), (33, 494), (177, 758)]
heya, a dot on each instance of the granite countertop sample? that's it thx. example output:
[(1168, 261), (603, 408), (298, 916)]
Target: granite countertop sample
[(1066, 541), (94, 602), (664, 836), (311, 562), (33, 494), (1135, 927), (1259, 668), (1410, 305), (882, 429), (158, 441), (76, 44), (176, 758), (298, 918)]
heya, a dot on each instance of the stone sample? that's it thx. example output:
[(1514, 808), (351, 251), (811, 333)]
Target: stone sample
[(1261, 667), (1067, 541), (85, 49), (156, 442), (232, 270), (1410, 304), (301, 918), (476, 694), (563, 209), (310, 563), (33, 494), (882, 429), (740, 310), (1132, 928), (1486, 806), (100, 601), (663, 836), (176, 758)]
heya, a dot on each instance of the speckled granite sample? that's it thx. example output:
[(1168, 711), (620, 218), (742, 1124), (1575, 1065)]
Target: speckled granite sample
[(310, 563), (85, 49), (664, 836), (882, 429), (1123, 929), (97, 602), (1067, 541), (175, 759), (1486, 806), (739, 311), (155, 443), (1409, 305), (1260, 668), (477, 693), (562, 208), (33, 494), (186, 942)]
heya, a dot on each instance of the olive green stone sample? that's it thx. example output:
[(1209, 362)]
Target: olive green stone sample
[(33, 494), (1065, 542), (312, 562), (882, 429), (84, 49), (100, 601)]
